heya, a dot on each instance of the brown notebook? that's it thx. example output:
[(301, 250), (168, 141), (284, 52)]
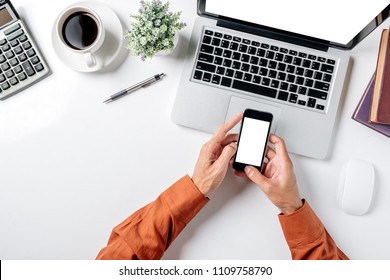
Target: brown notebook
[(380, 108)]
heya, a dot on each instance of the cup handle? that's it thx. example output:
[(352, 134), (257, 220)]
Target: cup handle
[(90, 59)]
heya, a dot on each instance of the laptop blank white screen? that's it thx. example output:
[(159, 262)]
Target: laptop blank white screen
[(338, 21)]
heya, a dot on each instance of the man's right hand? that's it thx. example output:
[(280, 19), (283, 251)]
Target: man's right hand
[(278, 182)]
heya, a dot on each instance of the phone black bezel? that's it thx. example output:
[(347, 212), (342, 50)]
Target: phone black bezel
[(258, 115)]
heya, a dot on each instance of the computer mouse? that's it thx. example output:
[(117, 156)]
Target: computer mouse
[(356, 186)]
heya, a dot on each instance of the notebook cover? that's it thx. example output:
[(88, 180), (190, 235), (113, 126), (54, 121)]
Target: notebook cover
[(380, 108), (362, 111)]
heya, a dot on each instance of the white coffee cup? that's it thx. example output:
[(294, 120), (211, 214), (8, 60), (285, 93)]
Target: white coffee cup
[(81, 31)]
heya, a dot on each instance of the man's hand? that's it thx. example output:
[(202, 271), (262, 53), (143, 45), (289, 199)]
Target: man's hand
[(278, 182), (215, 156)]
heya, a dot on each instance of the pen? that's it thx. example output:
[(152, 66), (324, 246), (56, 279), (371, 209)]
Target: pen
[(126, 91)]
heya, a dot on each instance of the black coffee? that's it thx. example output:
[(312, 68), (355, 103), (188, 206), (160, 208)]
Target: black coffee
[(80, 30)]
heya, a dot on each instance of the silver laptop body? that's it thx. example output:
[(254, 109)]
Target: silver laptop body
[(221, 78)]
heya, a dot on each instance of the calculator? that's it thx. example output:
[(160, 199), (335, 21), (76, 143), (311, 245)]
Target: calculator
[(21, 63)]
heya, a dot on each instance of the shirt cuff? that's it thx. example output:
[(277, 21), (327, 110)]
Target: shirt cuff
[(184, 199), (301, 227)]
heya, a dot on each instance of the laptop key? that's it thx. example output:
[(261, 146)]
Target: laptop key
[(243, 48), (198, 75), (216, 79), (311, 103), (248, 77), (256, 79), (218, 51), (226, 82), (206, 77), (283, 95), (227, 62), (206, 48), (207, 39), (327, 68), (317, 94), (218, 60), (327, 78), (257, 89), (206, 57), (321, 85), (204, 66), (228, 37), (216, 42), (293, 98), (225, 44), (221, 71), (229, 73)]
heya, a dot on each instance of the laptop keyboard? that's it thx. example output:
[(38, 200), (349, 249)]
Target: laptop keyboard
[(285, 75)]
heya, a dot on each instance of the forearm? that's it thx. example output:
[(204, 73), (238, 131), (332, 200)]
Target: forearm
[(147, 233), (307, 237)]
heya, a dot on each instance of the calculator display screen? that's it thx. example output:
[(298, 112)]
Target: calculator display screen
[(5, 16)]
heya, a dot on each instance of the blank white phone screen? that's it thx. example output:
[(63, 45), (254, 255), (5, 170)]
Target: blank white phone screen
[(252, 141)]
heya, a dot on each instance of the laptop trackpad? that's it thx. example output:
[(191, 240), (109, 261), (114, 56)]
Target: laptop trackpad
[(238, 104)]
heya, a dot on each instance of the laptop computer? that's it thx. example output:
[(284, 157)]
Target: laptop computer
[(235, 61)]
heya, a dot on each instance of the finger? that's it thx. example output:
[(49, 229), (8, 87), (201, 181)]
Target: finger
[(280, 146), (226, 155), (270, 153), (225, 128), (229, 139)]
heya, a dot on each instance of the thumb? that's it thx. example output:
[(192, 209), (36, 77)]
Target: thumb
[(255, 175)]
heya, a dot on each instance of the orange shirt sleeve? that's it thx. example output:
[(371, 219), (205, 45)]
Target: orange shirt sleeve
[(148, 232), (307, 237)]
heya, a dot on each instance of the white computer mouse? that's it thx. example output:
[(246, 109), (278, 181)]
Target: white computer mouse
[(356, 187)]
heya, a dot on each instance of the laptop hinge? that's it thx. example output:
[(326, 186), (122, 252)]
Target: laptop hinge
[(273, 35)]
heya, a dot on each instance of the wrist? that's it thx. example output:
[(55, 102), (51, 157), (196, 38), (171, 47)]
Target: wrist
[(200, 186), (291, 208)]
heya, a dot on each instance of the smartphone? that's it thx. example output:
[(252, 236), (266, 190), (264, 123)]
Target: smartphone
[(252, 140)]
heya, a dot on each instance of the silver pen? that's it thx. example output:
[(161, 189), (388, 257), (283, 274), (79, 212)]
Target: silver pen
[(126, 91)]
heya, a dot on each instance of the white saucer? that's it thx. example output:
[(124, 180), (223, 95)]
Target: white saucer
[(113, 42)]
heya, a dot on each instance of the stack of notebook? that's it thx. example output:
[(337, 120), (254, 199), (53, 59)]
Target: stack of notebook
[(373, 109)]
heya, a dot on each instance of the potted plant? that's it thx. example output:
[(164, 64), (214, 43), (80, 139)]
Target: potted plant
[(154, 29)]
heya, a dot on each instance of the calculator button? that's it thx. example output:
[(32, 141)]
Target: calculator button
[(6, 48), (14, 62), (39, 67), (28, 68), (3, 42), (35, 60), (23, 38), (12, 29), (5, 66), (15, 35), (14, 81), (18, 69), (27, 45), (22, 77), (2, 78), (31, 53), (14, 43), (18, 50), (10, 54), (5, 86), (9, 74), (2, 59), (22, 57)]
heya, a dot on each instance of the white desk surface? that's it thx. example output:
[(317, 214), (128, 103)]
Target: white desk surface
[(71, 167)]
